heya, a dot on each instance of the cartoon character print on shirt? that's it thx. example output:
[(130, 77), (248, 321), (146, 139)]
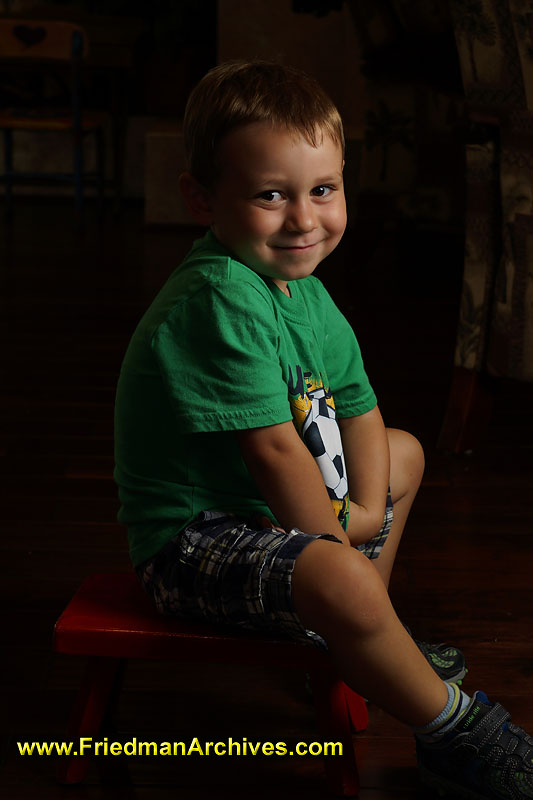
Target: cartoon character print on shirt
[(313, 411)]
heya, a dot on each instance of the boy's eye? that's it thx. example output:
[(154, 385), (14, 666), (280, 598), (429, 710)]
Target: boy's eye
[(321, 191), (270, 196)]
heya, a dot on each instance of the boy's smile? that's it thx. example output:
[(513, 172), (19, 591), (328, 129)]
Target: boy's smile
[(278, 204)]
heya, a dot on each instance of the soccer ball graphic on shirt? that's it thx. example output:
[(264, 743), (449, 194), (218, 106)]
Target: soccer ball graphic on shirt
[(321, 435)]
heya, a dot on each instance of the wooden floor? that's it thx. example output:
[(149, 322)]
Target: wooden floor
[(70, 300)]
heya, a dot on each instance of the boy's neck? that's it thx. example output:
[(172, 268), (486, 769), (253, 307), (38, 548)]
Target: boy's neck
[(283, 286)]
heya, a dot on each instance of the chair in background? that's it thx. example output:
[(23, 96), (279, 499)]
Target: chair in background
[(41, 63), (110, 619)]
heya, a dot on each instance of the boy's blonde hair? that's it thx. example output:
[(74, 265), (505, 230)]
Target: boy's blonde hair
[(239, 93)]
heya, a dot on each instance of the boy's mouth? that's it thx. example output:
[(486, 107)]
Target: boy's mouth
[(295, 247)]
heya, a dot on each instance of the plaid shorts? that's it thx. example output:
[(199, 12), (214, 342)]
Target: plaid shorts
[(374, 546), (223, 571)]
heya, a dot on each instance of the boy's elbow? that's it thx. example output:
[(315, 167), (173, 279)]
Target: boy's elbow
[(269, 443)]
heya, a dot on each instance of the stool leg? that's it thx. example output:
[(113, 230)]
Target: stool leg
[(334, 725), (357, 710), (88, 713)]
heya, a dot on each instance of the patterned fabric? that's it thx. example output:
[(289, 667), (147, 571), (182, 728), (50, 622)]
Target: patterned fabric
[(373, 548), (424, 94), (222, 571)]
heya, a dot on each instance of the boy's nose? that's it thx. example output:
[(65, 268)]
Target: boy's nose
[(301, 217)]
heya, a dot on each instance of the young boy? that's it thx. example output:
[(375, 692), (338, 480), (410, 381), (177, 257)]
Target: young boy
[(256, 476)]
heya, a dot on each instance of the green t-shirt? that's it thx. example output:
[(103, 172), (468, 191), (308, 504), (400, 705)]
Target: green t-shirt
[(223, 349)]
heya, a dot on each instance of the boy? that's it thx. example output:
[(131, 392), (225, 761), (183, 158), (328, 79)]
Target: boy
[(252, 461)]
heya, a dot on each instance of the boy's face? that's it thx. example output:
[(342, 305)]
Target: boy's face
[(278, 204)]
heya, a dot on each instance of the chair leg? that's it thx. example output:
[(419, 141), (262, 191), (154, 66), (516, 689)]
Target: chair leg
[(119, 122), (334, 725), (469, 410), (8, 170), (88, 714), (78, 173), (100, 167)]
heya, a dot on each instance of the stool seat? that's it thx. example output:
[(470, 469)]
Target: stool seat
[(110, 619), (111, 615)]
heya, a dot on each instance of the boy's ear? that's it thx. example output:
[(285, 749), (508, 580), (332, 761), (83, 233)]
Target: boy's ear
[(196, 198)]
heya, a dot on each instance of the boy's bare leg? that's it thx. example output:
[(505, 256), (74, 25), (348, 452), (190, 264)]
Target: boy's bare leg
[(338, 593), (406, 470)]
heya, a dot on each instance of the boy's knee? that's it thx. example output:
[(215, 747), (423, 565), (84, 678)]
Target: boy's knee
[(415, 451), (338, 588), (407, 462)]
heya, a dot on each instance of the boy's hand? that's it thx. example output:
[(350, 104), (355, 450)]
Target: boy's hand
[(366, 453), (364, 524), (266, 523), (289, 479)]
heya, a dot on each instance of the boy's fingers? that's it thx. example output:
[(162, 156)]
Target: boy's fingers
[(265, 522)]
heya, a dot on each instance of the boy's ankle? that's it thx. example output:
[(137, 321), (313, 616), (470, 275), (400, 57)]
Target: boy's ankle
[(483, 756), (457, 705)]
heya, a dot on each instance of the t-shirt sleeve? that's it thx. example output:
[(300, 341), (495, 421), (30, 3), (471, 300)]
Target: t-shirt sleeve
[(217, 354), (348, 380)]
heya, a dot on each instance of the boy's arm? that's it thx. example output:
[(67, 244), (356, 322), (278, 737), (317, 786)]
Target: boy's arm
[(366, 454), (289, 479)]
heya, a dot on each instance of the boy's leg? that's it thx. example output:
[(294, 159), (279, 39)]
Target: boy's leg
[(338, 593), (477, 752), (406, 470), (407, 467)]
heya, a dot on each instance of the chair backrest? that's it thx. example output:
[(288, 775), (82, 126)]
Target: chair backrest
[(41, 40)]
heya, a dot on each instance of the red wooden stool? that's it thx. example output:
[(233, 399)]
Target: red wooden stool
[(110, 618)]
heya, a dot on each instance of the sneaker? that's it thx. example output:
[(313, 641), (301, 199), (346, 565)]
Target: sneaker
[(448, 662), (485, 757)]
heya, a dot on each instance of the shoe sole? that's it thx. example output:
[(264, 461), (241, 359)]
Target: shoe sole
[(446, 789), (458, 679)]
